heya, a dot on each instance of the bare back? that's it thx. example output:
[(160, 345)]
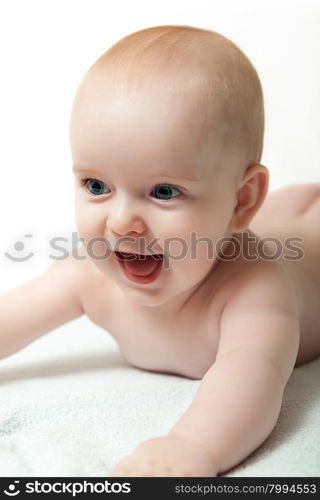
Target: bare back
[(294, 212)]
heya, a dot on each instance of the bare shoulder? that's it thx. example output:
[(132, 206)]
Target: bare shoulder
[(77, 275), (69, 275), (257, 279), (261, 284), (43, 303), (250, 282), (94, 289), (260, 313)]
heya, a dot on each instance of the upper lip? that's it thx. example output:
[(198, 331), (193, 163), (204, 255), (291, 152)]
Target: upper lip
[(130, 251), (134, 253)]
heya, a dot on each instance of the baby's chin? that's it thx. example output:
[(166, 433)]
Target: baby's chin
[(145, 297)]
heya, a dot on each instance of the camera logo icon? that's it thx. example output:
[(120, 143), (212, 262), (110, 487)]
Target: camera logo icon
[(19, 246), (13, 492)]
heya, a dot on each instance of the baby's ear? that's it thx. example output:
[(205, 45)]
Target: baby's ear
[(250, 196)]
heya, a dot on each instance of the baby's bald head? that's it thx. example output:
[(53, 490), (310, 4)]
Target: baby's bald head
[(203, 70)]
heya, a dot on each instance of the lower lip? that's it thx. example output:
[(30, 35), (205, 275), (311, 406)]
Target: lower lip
[(142, 280)]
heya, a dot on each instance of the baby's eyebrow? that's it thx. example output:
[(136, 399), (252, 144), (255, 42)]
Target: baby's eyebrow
[(169, 175), (76, 168), (177, 176)]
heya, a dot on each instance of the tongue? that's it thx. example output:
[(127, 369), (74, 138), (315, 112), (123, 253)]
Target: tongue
[(141, 267)]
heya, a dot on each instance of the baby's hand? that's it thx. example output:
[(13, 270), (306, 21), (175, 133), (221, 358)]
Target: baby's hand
[(166, 456)]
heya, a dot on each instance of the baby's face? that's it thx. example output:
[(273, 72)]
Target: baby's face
[(147, 175)]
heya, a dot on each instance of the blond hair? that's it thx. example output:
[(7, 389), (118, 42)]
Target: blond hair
[(193, 62)]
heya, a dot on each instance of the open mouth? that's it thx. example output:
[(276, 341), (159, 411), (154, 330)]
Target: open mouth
[(140, 268)]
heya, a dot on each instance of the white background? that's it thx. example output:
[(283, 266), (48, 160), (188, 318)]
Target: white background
[(45, 48)]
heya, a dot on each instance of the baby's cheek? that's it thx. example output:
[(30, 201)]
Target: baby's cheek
[(176, 248), (174, 237), (86, 226), (82, 223)]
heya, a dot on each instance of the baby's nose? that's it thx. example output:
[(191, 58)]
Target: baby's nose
[(125, 221), (123, 229)]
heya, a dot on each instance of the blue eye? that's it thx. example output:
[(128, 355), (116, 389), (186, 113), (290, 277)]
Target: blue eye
[(164, 192), (95, 186)]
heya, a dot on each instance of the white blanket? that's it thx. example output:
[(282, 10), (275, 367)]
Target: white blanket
[(71, 406)]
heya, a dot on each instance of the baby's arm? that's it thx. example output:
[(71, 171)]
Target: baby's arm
[(239, 398), (39, 305)]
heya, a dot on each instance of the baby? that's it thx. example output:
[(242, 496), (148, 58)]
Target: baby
[(166, 137)]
